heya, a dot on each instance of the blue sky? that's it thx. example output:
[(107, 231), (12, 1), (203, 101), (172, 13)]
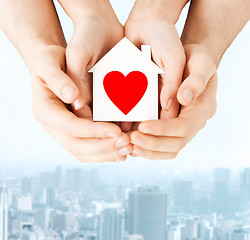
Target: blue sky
[(223, 142)]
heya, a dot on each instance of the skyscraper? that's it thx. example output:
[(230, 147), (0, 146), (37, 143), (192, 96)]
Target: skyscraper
[(111, 224), (3, 215), (50, 196), (245, 188), (191, 229), (58, 179), (221, 196), (183, 194), (240, 234), (147, 209), (26, 186)]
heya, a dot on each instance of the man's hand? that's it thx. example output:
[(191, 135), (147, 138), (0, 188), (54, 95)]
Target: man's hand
[(163, 139), (88, 141)]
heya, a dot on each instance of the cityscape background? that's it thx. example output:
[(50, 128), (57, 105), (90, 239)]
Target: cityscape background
[(114, 204)]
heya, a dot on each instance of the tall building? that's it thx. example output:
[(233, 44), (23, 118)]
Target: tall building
[(221, 195), (239, 234), (46, 180), (174, 233), (111, 224), (42, 218), (26, 186), (58, 179), (3, 215), (245, 188), (182, 194), (50, 196), (191, 229), (147, 209), (74, 180)]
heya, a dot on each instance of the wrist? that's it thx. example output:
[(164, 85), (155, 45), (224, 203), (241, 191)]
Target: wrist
[(42, 50), (166, 9), (79, 10), (214, 47), (199, 47)]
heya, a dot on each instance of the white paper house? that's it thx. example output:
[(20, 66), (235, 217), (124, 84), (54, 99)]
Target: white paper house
[(125, 57)]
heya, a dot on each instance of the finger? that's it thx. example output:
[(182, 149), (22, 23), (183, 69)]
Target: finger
[(199, 70), (174, 127), (126, 126), (153, 155), (109, 157), (173, 63), (78, 58), (48, 109), (158, 143), (90, 147), (62, 86), (51, 68)]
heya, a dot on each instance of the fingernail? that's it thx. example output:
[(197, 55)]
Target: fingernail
[(121, 143), (169, 104), (68, 93), (146, 131), (138, 151), (187, 95), (124, 152), (77, 104)]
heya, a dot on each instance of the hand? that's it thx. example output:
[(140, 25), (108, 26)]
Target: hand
[(163, 139), (96, 32), (146, 25), (88, 141)]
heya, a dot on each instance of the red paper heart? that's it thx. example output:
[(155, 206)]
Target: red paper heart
[(125, 92)]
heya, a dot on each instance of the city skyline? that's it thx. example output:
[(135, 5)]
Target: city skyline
[(83, 204)]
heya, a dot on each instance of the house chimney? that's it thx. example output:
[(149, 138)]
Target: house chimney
[(146, 51)]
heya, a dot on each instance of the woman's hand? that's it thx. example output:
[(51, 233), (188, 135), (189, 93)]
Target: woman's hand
[(151, 24), (164, 138), (97, 30)]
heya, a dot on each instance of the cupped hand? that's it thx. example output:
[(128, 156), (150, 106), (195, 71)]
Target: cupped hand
[(164, 138), (94, 35), (148, 27), (88, 141)]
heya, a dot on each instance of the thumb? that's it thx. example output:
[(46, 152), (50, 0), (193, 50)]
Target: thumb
[(77, 60), (170, 83), (50, 66), (199, 69), (62, 86)]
